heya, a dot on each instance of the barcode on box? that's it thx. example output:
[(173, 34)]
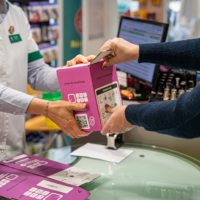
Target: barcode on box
[(82, 120)]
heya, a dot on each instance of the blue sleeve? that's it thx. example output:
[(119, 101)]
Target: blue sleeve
[(179, 118), (181, 54)]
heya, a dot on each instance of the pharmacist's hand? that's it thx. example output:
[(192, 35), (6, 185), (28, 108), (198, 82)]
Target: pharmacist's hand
[(117, 122), (80, 59), (61, 112), (125, 52)]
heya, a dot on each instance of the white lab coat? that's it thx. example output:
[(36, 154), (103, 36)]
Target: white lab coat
[(13, 73)]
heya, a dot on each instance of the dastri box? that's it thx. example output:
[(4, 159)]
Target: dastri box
[(85, 83), (50, 169), (15, 184)]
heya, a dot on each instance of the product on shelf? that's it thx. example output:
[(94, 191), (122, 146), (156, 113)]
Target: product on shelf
[(53, 32), (54, 56), (54, 11), (45, 7), (50, 54), (45, 32), (35, 12), (50, 32), (36, 32), (140, 14), (45, 50)]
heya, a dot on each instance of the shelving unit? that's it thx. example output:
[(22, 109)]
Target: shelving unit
[(45, 18)]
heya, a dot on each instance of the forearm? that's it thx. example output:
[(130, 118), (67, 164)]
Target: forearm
[(179, 118), (180, 54), (37, 106), (19, 103), (42, 77)]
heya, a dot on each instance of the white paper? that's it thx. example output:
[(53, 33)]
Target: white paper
[(100, 152), (122, 78), (108, 94), (55, 186), (101, 55), (74, 176)]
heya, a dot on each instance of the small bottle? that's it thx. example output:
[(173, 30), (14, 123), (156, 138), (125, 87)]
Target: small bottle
[(191, 84), (160, 88), (177, 82), (183, 85), (171, 75), (181, 91), (166, 94), (168, 84), (173, 94)]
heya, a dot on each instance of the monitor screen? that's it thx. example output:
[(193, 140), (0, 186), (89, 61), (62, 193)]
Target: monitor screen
[(141, 32)]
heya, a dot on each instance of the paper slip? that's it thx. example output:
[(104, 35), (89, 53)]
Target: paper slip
[(100, 152)]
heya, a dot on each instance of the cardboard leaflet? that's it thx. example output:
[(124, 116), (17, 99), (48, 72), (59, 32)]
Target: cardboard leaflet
[(88, 83), (50, 169), (15, 184)]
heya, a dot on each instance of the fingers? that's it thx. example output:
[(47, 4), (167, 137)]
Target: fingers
[(78, 59), (109, 62), (90, 58), (105, 130), (110, 109), (76, 106), (81, 59), (70, 132), (84, 134), (77, 130), (108, 45), (71, 63)]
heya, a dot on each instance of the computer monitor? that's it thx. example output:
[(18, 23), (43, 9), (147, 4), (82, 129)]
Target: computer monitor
[(138, 31)]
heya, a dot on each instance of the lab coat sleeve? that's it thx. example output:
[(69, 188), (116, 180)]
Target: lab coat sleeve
[(42, 77), (13, 101)]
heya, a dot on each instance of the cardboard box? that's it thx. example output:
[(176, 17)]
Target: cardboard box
[(50, 169), (15, 184), (85, 83)]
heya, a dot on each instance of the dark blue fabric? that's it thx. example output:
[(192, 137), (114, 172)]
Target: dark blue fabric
[(181, 117)]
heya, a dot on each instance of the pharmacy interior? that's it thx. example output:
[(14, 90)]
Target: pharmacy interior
[(158, 158)]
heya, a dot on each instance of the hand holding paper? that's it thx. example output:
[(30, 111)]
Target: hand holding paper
[(124, 52)]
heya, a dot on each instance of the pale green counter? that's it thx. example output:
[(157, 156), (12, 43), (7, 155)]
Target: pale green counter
[(148, 173)]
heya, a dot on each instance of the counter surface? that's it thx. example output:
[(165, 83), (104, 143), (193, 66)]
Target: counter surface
[(148, 173)]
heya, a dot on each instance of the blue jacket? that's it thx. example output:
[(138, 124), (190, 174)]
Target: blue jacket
[(181, 117)]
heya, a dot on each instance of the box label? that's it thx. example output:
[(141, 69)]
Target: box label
[(82, 120), (108, 94), (15, 38), (54, 186)]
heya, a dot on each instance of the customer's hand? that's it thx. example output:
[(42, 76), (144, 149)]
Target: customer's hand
[(125, 52), (80, 59), (117, 122), (61, 113)]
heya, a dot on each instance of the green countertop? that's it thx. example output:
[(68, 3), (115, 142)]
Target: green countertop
[(148, 173)]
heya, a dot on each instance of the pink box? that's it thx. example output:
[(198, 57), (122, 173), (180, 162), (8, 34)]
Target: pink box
[(90, 84), (15, 184), (50, 169)]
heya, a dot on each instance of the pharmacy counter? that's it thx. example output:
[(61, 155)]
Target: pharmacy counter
[(148, 173)]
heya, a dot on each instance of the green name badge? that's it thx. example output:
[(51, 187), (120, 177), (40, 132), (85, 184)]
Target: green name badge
[(15, 38)]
